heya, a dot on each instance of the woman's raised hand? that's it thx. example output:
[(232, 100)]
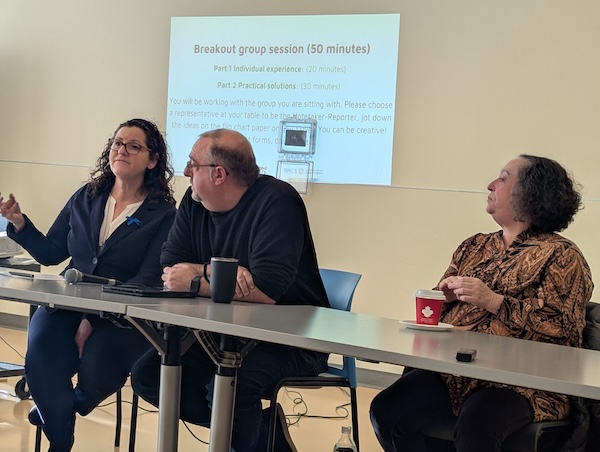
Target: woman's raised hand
[(10, 210)]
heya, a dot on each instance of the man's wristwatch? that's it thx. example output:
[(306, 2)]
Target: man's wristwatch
[(195, 284)]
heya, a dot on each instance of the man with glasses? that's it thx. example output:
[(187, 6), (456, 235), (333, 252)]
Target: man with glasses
[(232, 211)]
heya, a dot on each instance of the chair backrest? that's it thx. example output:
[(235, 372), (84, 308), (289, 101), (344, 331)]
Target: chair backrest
[(591, 340), (340, 287), (591, 333)]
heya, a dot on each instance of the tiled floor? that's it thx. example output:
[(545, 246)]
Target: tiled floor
[(95, 433)]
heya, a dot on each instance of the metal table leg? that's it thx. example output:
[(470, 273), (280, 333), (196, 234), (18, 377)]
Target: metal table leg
[(170, 346), (170, 391), (228, 356)]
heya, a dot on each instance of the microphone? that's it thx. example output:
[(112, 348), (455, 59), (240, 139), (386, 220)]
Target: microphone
[(74, 276)]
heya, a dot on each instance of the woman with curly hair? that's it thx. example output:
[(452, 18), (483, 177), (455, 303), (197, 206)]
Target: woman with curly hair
[(524, 281), (113, 227)]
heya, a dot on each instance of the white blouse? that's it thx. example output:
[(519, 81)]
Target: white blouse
[(108, 226)]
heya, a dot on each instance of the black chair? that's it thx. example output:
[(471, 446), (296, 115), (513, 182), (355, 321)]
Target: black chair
[(537, 436), (340, 287)]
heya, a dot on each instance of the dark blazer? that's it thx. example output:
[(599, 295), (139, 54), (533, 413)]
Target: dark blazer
[(131, 253)]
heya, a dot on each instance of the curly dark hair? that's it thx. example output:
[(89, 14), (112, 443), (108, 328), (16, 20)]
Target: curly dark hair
[(545, 194), (157, 181), (239, 161)]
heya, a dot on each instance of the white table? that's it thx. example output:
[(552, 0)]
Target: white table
[(507, 360), (55, 292), (518, 362), (85, 298)]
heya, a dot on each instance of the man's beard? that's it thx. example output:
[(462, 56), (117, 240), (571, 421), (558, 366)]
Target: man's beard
[(196, 197)]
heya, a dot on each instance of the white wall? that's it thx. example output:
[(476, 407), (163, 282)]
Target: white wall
[(478, 83)]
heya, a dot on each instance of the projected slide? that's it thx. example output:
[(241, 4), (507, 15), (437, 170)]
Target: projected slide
[(315, 95)]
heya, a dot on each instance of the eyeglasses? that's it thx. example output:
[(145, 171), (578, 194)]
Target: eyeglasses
[(130, 148), (190, 164)]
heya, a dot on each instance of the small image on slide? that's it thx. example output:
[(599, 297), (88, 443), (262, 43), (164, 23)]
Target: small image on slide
[(297, 143)]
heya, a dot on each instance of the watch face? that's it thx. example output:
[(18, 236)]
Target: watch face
[(195, 284)]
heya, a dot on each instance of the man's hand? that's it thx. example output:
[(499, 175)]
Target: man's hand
[(244, 284), (179, 276)]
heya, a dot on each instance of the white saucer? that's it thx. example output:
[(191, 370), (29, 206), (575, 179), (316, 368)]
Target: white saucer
[(418, 326)]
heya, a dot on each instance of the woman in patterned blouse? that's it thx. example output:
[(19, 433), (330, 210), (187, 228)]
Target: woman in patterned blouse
[(524, 281)]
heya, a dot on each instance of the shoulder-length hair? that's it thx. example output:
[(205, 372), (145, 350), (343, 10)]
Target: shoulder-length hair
[(157, 181), (545, 194)]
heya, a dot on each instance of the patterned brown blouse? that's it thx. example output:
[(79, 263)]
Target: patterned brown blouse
[(546, 283)]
